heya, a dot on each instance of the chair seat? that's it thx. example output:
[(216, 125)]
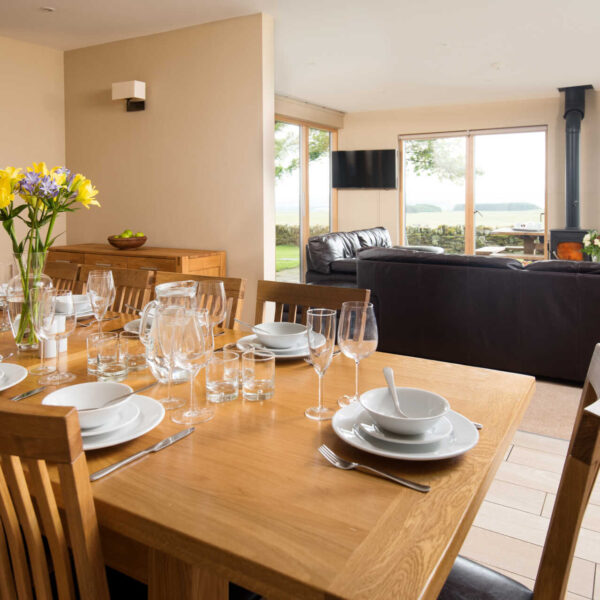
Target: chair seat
[(469, 580)]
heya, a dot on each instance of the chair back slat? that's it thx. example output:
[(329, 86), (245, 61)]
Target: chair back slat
[(16, 545), (15, 479), (64, 275), (23, 525), (576, 484), (303, 296), (235, 291), (7, 583), (52, 527), (133, 286), (84, 534)]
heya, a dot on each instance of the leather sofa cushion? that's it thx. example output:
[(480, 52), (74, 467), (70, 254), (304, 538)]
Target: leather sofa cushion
[(322, 250), (565, 266), (345, 265), (431, 249), (471, 581), (409, 256)]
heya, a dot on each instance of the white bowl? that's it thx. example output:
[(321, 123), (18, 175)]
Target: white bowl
[(280, 334), (91, 395), (423, 409)]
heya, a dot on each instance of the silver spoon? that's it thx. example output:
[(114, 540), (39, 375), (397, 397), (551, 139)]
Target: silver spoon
[(388, 373)]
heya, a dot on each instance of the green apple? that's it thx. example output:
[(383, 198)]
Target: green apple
[(140, 234), (117, 236), (127, 233)]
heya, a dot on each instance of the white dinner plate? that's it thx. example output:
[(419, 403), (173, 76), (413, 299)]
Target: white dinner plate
[(463, 437), (246, 343), (151, 414), (13, 374), (84, 312), (134, 326), (439, 431), (126, 415)]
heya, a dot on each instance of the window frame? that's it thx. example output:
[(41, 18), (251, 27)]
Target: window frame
[(469, 135), (304, 183)]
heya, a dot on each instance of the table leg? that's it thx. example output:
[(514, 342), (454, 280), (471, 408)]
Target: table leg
[(169, 578), (528, 245)]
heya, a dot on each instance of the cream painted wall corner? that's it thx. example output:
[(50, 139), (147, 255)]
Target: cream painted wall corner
[(33, 116)]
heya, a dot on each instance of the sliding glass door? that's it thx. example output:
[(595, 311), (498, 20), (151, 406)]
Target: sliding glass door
[(476, 192), (304, 201)]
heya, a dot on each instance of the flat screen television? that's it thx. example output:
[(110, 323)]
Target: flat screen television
[(368, 169)]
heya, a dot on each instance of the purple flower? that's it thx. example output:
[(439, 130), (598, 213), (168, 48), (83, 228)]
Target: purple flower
[(29, 182), (48, 187), (62, 170)]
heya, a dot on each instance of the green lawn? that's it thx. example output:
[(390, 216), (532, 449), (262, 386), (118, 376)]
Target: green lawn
[(286, 257)]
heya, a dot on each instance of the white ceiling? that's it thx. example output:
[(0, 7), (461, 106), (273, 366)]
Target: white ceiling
[(357, 55)]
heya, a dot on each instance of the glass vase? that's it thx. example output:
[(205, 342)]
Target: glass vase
[(29, 274)]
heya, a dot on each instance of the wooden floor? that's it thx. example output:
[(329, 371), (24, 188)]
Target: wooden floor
[(510, 528)]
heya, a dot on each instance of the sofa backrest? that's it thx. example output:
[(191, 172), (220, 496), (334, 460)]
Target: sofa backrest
[(322, 250), (460, 260)]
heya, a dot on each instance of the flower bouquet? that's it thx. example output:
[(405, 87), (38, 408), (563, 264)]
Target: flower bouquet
[(591, 244), (45, 193)]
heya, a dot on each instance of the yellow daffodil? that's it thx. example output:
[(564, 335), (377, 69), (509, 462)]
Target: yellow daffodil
[(6, 195), (40, 168), (86, 192), (11, 174), (59, 178)]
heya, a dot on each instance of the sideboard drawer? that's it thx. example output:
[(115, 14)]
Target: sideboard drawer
[(106, 260), (71, 257), (152, 264)]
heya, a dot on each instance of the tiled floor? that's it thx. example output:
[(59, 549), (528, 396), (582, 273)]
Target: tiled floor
[(510, 528)]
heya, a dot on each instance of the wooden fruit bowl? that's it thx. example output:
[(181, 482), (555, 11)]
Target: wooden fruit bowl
[(126, 243)]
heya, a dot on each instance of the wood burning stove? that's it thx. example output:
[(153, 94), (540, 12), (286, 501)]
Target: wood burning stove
[(567, 243)]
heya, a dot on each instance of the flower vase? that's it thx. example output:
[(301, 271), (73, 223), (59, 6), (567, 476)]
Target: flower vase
[(29, 274), (595, 258)]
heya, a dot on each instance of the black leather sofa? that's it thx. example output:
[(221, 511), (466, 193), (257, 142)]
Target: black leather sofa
[(541, 319), (331, 258)]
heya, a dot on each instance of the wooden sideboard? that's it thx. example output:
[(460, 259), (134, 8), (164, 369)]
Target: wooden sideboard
[(198, 262)]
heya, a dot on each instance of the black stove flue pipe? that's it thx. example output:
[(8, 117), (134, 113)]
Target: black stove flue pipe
[(574, 113)]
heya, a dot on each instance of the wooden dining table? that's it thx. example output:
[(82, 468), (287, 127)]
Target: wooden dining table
[(247, 498)]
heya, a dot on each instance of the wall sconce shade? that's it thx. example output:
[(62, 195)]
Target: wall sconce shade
[(132, 91)]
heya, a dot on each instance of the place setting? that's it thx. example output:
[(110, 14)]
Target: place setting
[(284, 340)]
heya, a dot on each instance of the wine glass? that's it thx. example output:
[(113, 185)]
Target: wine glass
[(101, 293), (320, 324), (357, 338), (194, 345), (54, 318), (211, 295)]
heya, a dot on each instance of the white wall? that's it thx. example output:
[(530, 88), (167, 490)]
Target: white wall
[(195, 169), (380, 129)]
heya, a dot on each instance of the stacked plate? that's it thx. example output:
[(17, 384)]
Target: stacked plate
[(284, 340), (449, 436), (81, 304), (300, 350), (103, 426)]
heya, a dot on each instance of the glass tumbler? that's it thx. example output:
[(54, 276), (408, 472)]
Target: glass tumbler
[(222, 376), (258, 375), (132, 351)]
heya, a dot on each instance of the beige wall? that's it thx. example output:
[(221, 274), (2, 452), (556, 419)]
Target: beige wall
[(195, 169), (32, 109), (380, 129)]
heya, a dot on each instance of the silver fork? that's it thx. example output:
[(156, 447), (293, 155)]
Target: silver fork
[(340, 463)]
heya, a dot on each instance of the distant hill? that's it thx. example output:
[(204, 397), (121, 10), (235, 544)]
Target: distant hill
[(501, 206), (422, 208)]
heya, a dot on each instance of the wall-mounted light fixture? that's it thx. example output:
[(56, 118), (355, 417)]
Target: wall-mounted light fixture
[(132, 91)]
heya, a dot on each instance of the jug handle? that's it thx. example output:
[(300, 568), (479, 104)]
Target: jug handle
[(144, 330)]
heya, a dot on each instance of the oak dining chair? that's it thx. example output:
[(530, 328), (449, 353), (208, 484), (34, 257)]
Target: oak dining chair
[(235, 291), (299, 297), (64, 275), (472, 580), (31, 437), (133, 286)]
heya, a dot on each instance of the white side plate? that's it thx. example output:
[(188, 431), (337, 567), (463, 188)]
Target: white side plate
[(13, 374)]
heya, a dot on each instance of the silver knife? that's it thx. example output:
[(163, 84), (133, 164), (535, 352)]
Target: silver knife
[(27, 394), (155, 448)]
